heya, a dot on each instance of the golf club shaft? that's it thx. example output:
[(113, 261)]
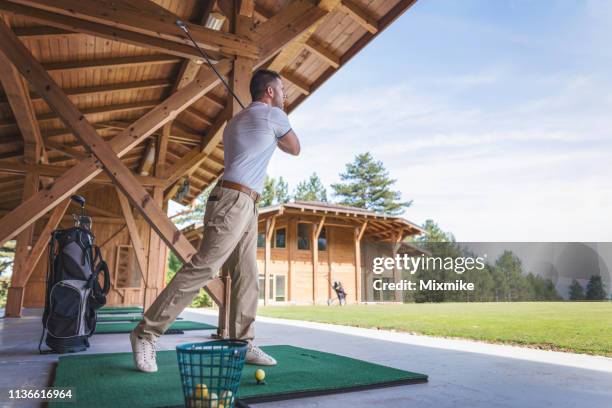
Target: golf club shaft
[(183, 27)]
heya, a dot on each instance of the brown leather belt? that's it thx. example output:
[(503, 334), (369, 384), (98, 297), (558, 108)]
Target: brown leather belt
[(255, 196)]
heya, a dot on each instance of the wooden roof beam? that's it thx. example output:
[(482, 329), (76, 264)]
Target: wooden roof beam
[(66, 150), (104, 89), (117, 19), (324, 53), (292, 50), (286, 26), (42, 32), (301, 86), (384, 22), (114, 63), (19, 99), (65, 22), (361, 16), (124, 107), (49, 170)]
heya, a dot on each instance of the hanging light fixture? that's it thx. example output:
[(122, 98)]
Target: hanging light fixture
[(215, 21)]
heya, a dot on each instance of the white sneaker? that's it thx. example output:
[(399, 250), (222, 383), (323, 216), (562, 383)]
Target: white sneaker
[(257, 356), (145, 353)]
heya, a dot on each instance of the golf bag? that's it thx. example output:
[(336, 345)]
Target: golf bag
[(73, 292)]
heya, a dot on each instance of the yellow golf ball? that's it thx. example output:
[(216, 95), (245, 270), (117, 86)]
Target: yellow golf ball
[(260, 374), (201, 391)]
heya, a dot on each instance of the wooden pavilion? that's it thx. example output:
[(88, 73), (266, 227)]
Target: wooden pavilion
[(109, 99), (305, 246)]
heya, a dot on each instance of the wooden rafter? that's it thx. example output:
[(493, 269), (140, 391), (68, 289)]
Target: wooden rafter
[(300, 84), (19, 99), (325, 54), (49, 170), (361, 16), (65, 22), (119, 108), (107, 88), (292, 50), (383, 23), (114, 63), (159, 27)]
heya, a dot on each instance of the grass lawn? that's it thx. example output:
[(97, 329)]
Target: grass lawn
[(580, 327)]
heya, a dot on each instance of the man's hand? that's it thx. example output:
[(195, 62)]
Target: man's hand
[(289, 143)]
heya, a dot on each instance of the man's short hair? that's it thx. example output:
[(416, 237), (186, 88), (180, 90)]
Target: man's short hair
[(260, 81)]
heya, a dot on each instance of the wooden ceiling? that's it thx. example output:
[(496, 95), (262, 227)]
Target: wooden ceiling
[(115, 77)]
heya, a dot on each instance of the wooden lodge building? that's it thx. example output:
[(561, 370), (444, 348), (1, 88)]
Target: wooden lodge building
[(305, 246), (109, 99)]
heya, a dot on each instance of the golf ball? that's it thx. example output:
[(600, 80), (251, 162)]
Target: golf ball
[(201, 391), (260, 374)]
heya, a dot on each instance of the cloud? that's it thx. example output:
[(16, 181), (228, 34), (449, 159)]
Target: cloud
[(536, 169)]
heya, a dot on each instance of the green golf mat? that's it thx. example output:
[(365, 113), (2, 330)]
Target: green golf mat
[(126, 327), (103, 380), (123, 318), (120, 310)]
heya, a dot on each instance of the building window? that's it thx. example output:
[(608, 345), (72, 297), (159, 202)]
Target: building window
[(303, 236), (279, 294), (261, 240), (281, 238), (322, 242)]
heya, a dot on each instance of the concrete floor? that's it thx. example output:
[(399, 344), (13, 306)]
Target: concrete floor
[(461, 373)]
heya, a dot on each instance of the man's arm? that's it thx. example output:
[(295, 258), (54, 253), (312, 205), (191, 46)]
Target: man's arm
[(289, 143)]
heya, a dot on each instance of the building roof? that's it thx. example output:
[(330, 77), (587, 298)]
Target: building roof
[(331, 209), (115, 78), (376, 226)]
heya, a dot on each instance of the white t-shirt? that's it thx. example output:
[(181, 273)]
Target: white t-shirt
[(249, 139)]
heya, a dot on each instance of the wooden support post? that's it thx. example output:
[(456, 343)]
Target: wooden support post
[(316, 231), (139, 249), (154, 270), (22, 251), (359, 231), (328, 236), (291, 246), (397, 277), (270, 223)]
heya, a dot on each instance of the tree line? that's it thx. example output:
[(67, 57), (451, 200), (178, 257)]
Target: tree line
[(365, 183), (503, 281)]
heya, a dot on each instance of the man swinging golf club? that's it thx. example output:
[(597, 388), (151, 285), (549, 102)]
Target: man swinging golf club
[(230, 225)]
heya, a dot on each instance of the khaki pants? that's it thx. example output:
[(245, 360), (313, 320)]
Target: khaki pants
[(229, 241)]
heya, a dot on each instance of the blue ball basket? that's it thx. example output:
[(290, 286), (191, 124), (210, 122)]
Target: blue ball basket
[(210, 372)]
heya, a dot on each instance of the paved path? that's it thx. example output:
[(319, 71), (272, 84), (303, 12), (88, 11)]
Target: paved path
[(461, 373)]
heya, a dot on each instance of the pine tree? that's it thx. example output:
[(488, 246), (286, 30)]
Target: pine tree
[(576, 291), (281, 194), (595, 289), (274, 192), (311, 190), (366, 184)]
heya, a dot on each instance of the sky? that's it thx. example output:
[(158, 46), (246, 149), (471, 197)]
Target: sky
[(495, 117)]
